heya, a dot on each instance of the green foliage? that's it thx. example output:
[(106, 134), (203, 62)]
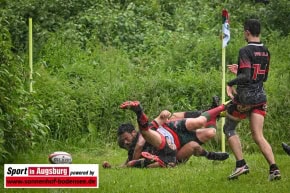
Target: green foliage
[(19, 125), (279, 90), (90, 56), (277, 16)]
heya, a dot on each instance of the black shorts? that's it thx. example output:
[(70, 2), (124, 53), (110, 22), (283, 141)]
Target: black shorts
[(166, 154), (242, 111), (183, 134), (250, 96)]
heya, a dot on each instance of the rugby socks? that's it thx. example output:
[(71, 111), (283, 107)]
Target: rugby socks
[(240, 163), (192, 114), (209, 155), (204, 153), (142, 120), (213, 113), (273, 167), (211, 124)]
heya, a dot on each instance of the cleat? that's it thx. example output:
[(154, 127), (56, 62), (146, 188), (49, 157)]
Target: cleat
[(135, 106), (132, 105), (286, 148), (274, 175), (220, 156), (215, 102), (139, 163), (154, 158), (239, 171)]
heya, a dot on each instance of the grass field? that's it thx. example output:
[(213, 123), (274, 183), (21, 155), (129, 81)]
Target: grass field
[(198, 175)]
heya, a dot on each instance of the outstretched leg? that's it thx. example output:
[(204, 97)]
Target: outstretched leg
[(136, 107), (151, 136), (166, 149), (193, 148), (209, 116)]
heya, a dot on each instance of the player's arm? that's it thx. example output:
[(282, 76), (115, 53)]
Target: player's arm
[(107, 165), (244, 74), (138, 148), (162, 117), (267, 68)]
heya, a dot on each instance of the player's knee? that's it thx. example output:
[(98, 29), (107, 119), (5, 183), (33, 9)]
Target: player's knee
[(229, 133), (197, 150), (229, 127), (200, 122), (258, 139), (193, 124), (212, 132), (229, 130)]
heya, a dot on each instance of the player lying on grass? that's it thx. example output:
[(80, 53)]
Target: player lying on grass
[(170, 136), (134, 143)]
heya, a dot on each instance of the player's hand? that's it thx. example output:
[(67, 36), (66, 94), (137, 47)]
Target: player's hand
[(233, 68), (231, 91), (165, 115)]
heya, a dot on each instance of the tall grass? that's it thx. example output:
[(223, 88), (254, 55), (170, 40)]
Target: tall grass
[(90, 57)]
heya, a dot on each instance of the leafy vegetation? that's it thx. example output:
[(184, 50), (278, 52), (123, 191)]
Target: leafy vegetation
[(91, 55)]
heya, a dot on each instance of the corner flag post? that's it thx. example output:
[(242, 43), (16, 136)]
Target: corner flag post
[(225, 40), (30, 56)]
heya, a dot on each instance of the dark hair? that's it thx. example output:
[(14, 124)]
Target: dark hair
[(125, 127), (253, 26)]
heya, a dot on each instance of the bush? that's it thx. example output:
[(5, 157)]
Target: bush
[(20, 128), (90, 56)]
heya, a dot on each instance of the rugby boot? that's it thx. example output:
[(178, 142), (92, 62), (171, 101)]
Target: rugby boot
[(136, 107), (274, 175), (239, 171), (220, 156), (286, 148), (152, 157), (132, 105), (139, 163)]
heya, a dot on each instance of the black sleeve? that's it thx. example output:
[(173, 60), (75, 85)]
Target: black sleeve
[(244, 70), (243, 78), (192, 114), (267, 69)]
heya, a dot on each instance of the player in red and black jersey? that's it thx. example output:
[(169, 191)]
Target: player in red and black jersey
[(171, 136), (131, 140), (249, 99)]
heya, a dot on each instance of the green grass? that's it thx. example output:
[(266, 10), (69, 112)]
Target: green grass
[(198, 175)]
